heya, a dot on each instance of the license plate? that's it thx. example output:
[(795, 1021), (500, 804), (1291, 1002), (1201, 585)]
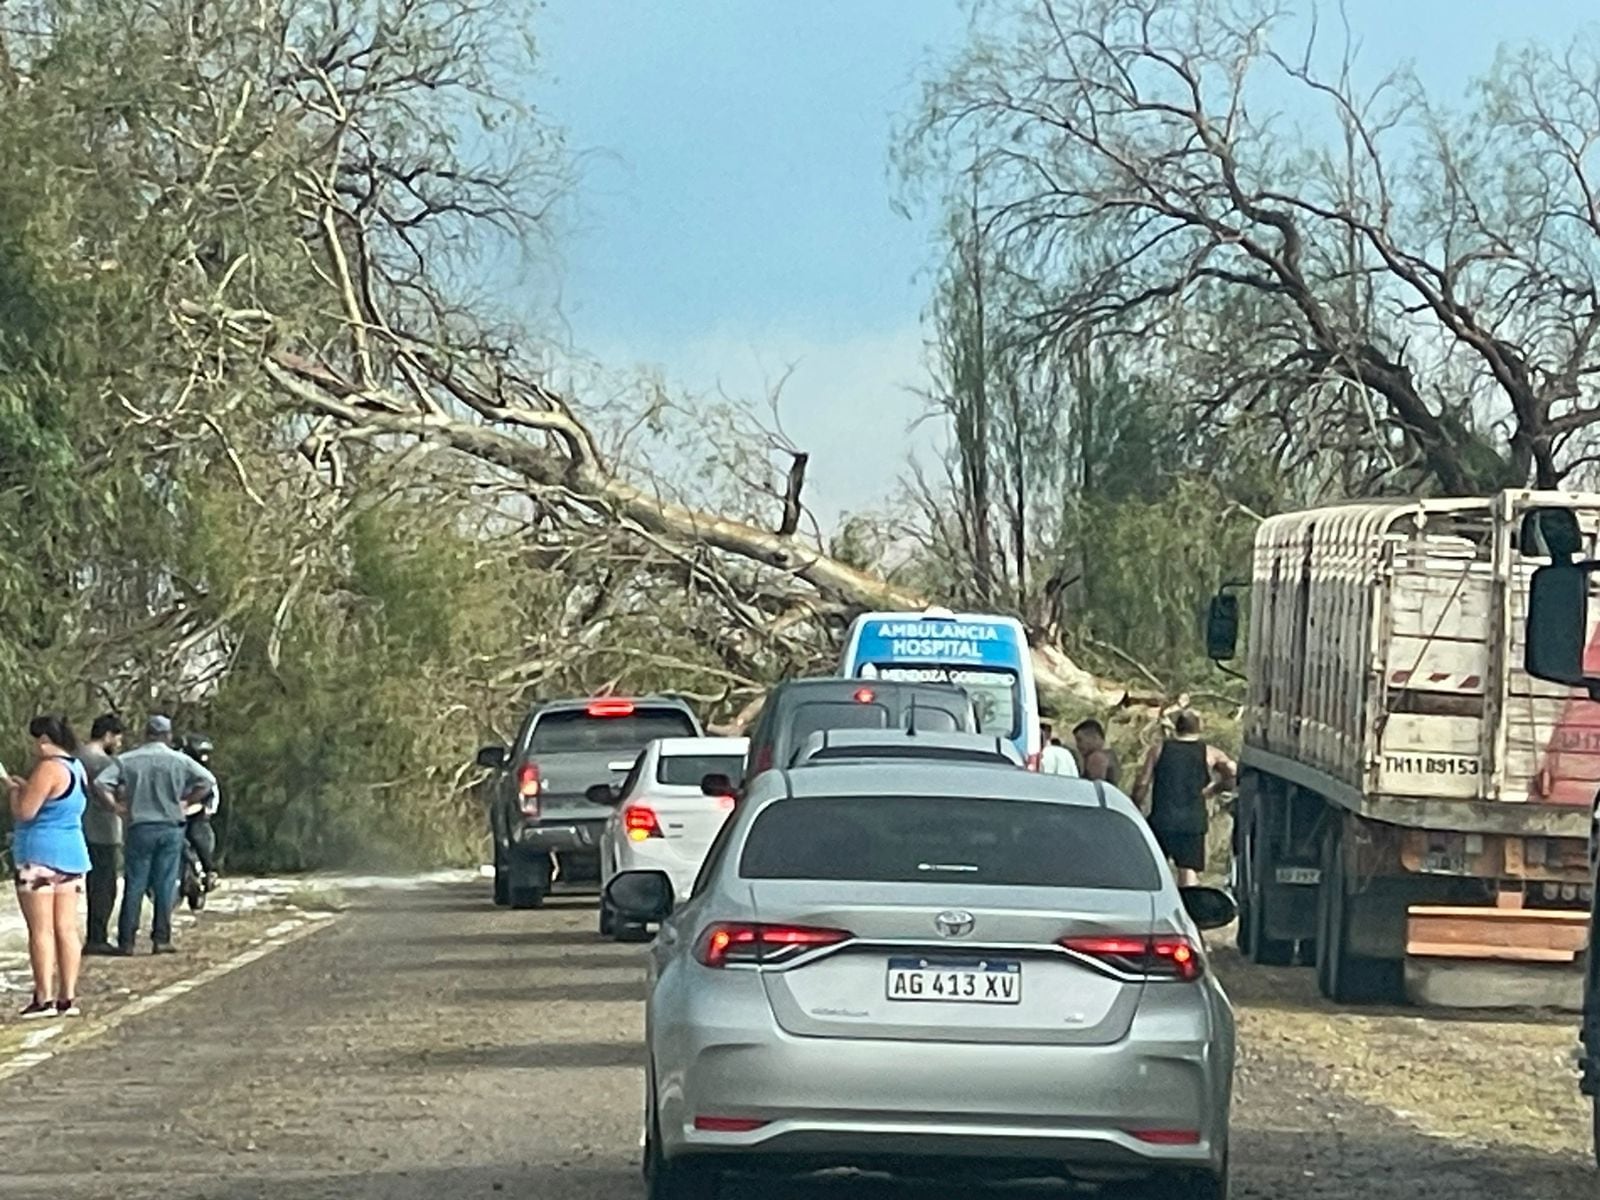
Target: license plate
[(951, 981), (1309, 875)]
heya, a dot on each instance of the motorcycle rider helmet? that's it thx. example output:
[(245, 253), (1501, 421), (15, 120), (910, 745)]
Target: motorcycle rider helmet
[(198, 747)]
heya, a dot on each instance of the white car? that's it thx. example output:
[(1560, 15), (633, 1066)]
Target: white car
[(662, 818)]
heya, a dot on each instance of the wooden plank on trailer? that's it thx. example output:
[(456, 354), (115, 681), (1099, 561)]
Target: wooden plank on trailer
[(1520, 935)]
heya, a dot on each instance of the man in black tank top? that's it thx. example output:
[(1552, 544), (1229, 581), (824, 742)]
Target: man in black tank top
[(1179, 777)]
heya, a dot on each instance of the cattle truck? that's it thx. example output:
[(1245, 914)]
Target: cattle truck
[(1414, 807)]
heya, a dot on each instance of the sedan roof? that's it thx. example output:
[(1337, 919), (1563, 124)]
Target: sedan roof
[(703, 745), (909, 777)]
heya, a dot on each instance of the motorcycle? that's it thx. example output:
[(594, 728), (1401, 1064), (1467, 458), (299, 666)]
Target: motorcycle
[(194, 884)]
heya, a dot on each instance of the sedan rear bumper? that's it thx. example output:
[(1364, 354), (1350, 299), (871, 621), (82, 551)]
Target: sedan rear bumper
[(1117, 1110)]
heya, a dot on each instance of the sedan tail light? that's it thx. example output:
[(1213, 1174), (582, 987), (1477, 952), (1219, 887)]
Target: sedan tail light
[(641, 822), (528, 789), (1156, 956), (725, 945)]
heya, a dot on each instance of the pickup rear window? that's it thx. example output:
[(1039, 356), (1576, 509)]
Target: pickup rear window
[(575, 731), (908, 839)]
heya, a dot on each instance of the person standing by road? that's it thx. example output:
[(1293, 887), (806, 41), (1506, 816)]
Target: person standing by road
[(1054, 758), (51, 860), (152, 786), (1096, 759), (1179, 777), (102, 829)]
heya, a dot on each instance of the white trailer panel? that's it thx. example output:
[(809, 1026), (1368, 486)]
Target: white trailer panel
[(1386, 652)]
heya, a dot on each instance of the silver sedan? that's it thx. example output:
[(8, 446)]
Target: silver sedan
[(929, 968)]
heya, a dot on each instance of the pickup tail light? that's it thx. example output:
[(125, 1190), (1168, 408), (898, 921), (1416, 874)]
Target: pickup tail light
[(528, 787), (610, 708), (743, 945), (641, 822), (1153, 956)]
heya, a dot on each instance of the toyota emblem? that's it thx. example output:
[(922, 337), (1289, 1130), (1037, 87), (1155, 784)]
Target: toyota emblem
[(954, 923)]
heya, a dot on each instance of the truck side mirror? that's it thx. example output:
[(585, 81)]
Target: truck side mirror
[(491, 758), (1552, 533), (1558, 622), (1222, 627)]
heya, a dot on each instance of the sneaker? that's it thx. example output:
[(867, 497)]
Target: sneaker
[(68, 1008), (101, 949), (164, 948), (38, 1009)]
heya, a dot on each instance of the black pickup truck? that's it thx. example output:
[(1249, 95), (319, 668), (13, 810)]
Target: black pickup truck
[(538, 790)]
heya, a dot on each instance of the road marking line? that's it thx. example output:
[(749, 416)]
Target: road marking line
[(276, 938)]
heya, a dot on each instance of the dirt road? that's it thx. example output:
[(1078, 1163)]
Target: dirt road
[(428, 1045)]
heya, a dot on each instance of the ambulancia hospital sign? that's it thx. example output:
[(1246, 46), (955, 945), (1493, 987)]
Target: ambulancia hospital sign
[(937, 641)]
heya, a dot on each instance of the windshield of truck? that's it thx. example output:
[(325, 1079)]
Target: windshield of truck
[(577, 730), (993, 690)]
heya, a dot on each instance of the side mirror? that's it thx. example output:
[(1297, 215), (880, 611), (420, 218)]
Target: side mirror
[(641, 896), (1222, 627), (1558, 623), (1552, 533), (492, 758), (1208, 907), (717, 785), (601, 793)]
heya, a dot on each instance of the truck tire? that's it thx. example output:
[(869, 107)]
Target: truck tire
[(1594, 1126), (1589, 1037), (1253, 937), (1343, 977)]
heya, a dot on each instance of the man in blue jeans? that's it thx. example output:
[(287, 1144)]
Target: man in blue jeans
[(151, 787)]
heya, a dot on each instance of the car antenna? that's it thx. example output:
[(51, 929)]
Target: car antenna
[(911, 720)]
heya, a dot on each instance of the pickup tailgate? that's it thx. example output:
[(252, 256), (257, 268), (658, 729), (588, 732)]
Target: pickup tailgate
[(564, 778), (578, 747)]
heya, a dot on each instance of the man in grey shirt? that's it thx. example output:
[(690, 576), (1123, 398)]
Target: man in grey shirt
[(152, 786), (102, 829)]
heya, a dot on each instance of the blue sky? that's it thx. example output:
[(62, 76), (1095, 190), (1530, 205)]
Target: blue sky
[(734, 215)]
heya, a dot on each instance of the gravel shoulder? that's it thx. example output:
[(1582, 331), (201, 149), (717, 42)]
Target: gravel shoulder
[(426, 1044)]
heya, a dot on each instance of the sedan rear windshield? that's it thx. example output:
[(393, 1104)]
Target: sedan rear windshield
[(901, 839), (575, 731), (687, 770)]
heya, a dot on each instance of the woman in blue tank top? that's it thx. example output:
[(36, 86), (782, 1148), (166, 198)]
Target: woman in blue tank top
[(51, 859)]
